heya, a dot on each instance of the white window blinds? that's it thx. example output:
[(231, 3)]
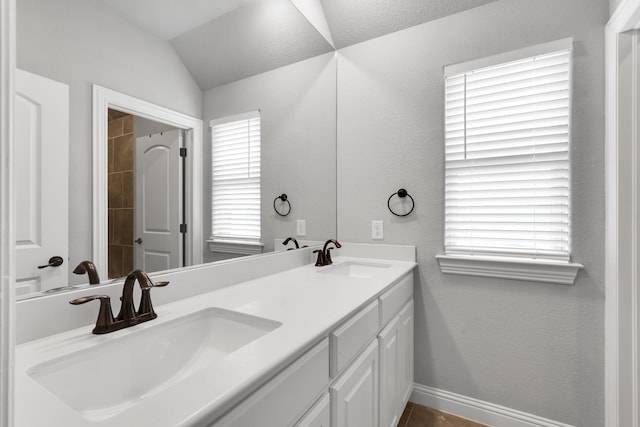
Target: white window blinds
[(507, 159), (235, 170)]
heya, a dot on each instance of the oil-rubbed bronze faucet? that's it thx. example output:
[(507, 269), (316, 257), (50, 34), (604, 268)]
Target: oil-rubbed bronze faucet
[(291, 239), (89, 268), (128, 316), (324, 255)]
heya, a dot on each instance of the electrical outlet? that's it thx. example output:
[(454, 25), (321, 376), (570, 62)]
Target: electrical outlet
[(301, 227), (377, 230)]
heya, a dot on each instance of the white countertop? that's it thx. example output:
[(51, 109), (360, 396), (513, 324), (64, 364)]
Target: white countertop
[(306, 300)]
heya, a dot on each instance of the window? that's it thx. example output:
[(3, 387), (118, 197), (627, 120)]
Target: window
[(507, 181), (235, 185)]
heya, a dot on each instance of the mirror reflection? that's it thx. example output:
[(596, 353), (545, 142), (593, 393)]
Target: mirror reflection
[(209, 60), (145, 201)]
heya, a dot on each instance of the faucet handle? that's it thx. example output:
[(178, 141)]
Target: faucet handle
[(321, 260), (86, 299), (145, 309), (327, 256), (105, 315), (150, 285)]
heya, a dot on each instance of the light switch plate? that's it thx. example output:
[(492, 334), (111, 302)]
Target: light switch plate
[(301, 227), (377, 230)]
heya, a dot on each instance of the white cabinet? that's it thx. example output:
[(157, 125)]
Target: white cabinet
[(284, 398), (405, 360), (389, 343), (358, 376), (396, 366), (319, 415), (392, 301), (347, 340), (354, 396)]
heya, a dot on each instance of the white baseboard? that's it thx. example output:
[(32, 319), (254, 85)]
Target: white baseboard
[(477, 410)]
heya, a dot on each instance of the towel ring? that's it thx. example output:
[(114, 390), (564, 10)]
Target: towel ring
[(402, 193), (283, 197)]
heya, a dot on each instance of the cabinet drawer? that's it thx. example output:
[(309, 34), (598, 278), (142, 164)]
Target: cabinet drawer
[(347, 340), (319, 415), (395, 298), (284, 398)]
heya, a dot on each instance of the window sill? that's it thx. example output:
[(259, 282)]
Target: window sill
[(235, 247), (563, 273)]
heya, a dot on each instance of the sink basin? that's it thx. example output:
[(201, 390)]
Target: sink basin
[(357, 269), (108, 378)]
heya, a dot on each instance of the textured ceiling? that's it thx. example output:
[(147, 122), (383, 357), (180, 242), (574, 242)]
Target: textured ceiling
[(355, 21), (249, 40), (221, 41), (167, 19)]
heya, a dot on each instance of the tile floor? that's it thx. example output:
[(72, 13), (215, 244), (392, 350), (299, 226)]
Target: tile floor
[(420, 416)]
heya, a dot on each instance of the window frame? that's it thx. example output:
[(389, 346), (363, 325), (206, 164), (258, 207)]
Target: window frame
[(234, 245), (510, 267)]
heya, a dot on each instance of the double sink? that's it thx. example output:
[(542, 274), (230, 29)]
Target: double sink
[(103, 380)]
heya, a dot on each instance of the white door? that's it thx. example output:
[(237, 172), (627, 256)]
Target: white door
[(42, 182), (158, 204)]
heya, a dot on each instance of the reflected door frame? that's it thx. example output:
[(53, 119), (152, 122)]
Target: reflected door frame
[(103, 99)]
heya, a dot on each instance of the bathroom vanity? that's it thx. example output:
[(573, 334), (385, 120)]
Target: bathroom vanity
[(304, 346)]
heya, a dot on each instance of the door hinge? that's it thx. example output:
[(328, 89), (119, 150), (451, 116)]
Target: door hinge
[(183, 152), (183, 228)]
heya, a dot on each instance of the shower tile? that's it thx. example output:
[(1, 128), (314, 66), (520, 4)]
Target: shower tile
[(123, 153), (110, 154), (127, 190), (127, 124), (115, 190), (111, 225), (115, 261), (123, 231), (115, 128), (127, 259)]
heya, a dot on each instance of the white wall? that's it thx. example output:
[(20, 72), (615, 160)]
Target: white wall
[(529, 346), (613, 5), (146, 127), (297, 106), (80, 43)]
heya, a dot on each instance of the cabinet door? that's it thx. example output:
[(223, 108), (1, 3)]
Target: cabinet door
[(319, 415), (405, 354), (390, 370), (354, 396)]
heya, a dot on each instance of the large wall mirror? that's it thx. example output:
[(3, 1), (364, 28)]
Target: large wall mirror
[(202, 59)]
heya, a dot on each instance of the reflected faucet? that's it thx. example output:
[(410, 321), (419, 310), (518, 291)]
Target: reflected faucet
[(128, 316), (324, 255), (291, 239), (89, 268)]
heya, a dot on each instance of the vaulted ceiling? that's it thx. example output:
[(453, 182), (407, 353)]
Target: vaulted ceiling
[(223, 41)]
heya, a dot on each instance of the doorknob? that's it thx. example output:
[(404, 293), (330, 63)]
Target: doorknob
[(54, 261), (138, 241)]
